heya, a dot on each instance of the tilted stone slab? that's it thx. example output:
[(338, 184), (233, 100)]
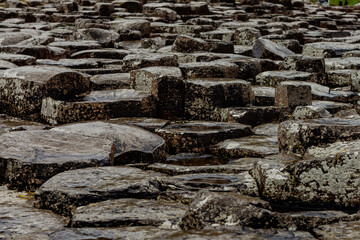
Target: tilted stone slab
[(74, 188), (166, 86), (129, 212), (197, 136), (32, 157), (23, 89), (264, 48), (295, 137), (204, 96), (99, 105), (132, 144)]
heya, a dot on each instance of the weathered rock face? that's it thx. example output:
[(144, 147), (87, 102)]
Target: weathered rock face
[(98, 105), (197, 136), (327, 177), (204, 97), (295, 137), (167, 87), (272, 78), (70, 189), (253, 146), (29, 158), (264, 48), (18, 217), (226, 209), (215, 69), (23, 89), (129, 212), (290, 94), (246, 36), (132, 144)]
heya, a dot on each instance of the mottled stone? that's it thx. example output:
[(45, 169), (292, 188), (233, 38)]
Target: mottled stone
[(131, 144), (264, 48), (74, 188), (23, 89), (110, 81), (227, 209), (342, 63), (215, 69), (104, 37), (341, 230), (246, 36), (328, 49), (142, 60), (297, 136), (18, 217), (291, 94), (197, 136), (339, 78), (272, 78), (76, 46), (18, 59), (98, 105), (167, 87), (129, 212), (255, 115), (310, 112), (204, 97), (253, 146), (32, 157), (263, 96)]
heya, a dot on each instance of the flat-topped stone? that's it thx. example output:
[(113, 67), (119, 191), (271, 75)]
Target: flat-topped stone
[(129, 212), (252, 146), (297, 136), (32, 157), (272, 78), (197, 136), (215, 69), (142, 60), (329, 49), (99, 105), (70, 189), (23, 89), (110, 81), (132, 144), (205, 96)]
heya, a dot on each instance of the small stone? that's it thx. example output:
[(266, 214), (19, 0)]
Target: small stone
[(292, 95)]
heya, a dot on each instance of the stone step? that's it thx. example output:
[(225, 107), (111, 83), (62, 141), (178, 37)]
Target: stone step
[(99, 105), (23, 89), (80, 187), (198, 136), (29, 158)]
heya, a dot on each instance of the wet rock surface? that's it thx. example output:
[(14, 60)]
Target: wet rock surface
[(179, 120)]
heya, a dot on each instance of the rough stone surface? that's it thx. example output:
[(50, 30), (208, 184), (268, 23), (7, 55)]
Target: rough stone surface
[(197, 136), (132, 144), (32, 157), (129, 212), (70, 189)]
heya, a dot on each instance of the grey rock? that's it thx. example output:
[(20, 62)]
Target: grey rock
[(129, 212), (32, 157), (70, 189), (131, 144), (197, 136)]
